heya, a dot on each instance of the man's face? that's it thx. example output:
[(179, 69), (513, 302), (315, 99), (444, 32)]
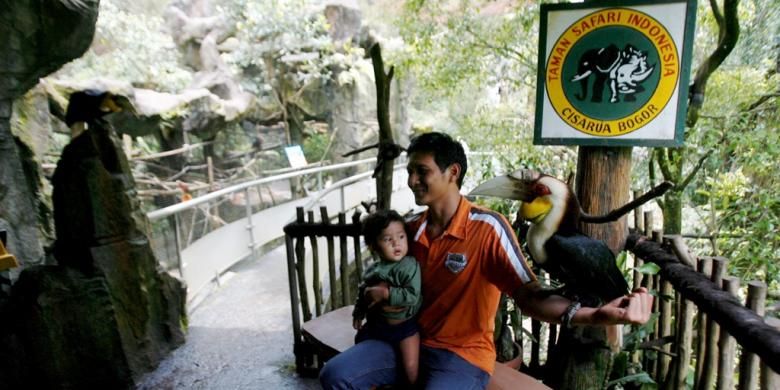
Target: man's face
[(427, 181)]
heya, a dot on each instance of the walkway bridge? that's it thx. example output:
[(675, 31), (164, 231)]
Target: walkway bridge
[(240, 331)]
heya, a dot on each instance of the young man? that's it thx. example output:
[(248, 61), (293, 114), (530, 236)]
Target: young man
[(468, 255)]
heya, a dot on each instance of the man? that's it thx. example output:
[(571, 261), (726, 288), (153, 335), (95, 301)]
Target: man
[(468, 255)]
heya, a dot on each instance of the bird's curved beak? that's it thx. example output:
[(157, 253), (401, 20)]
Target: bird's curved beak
[(109, 104), (516, 186)]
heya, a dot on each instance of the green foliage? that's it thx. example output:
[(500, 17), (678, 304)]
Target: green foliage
[(131, 47), (315, 145), (475, 68), (735, 194), (648, 269)]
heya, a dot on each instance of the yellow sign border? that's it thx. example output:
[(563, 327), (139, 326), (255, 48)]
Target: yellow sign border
[(669, 67)]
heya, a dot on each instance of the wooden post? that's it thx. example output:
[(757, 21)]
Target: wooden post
[(335, 299), (748, 364), (345, 300), (705, 268), (710, 364), (300, 267), (602, 185), (315, 269), (665, 297), (726, 344), (770, 379), (384, 183), (356, 242), (639, 224), (297, 338)]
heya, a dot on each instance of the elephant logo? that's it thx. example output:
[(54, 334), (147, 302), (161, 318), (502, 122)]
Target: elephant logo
[(624, 70)]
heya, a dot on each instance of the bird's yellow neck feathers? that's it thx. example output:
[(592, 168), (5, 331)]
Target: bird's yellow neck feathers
[(536, 210)]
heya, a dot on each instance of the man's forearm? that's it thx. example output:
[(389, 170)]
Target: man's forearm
[(635, 308), (538, 304)]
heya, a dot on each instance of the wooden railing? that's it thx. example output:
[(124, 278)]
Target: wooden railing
[(702, 327), (342, 283)]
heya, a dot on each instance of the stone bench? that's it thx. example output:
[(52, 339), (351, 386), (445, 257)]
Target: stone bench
[(332, 333)]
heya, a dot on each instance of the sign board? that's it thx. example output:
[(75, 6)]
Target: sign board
[(614, 73), (295, 156)]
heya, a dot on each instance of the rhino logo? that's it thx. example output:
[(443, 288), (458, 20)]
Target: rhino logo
[(625, 70)]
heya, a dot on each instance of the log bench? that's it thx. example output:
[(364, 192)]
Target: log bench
[(332, 333)]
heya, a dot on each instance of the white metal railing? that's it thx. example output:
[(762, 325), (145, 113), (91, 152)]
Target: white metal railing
[(202, 258), (173, 209)]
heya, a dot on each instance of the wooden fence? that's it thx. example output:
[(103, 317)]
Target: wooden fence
[(341, 289), (704, 337), (703, 331)]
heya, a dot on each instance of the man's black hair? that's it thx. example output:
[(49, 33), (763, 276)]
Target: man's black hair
[(445, 150), (378, 221)]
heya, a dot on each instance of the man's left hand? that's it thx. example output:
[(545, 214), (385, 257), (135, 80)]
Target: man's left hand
[(634, 308)]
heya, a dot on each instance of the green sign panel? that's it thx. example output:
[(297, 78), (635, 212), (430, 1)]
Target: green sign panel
[(614, 75)]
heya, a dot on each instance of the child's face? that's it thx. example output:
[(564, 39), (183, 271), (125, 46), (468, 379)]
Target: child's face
[(391, 243)]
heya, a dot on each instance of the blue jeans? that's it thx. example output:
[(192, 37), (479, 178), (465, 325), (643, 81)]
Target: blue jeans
[(374, 363)]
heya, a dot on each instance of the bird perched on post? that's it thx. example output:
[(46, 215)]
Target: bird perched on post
[(89, 106), (584, 265)]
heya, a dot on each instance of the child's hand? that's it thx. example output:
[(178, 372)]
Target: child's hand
[(377, 293), (357, 323)]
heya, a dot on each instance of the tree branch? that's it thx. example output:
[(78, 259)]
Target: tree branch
[(663, 163), (727, 39), (614, 215), (684, 183)]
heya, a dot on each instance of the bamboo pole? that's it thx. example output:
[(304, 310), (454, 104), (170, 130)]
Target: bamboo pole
[(335, 299), (726, 344), (748, 364)]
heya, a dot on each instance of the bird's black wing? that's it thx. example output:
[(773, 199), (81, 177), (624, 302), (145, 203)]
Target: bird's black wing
[(587, 267)]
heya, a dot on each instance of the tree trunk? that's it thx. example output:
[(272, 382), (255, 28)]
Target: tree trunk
[(602, 184), (672, 212), (384, 181)]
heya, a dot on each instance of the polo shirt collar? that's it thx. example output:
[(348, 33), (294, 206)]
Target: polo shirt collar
[(457, 226)]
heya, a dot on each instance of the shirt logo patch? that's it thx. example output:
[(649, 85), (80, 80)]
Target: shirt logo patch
[(455, 262)]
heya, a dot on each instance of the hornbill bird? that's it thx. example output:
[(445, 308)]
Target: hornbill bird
[(89, 106), (584, 265)]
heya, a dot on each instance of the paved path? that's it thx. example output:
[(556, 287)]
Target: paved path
[(240, 336)]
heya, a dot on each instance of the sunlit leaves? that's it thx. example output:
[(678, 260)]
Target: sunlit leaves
[(131, 47)]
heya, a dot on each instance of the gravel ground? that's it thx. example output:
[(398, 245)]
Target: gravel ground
[(240, 335)]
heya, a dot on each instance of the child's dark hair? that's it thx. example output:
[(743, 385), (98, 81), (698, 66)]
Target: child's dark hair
[(445, 150), (378, 221)]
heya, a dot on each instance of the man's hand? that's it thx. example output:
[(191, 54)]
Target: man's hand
[(634, 308), (377, 293), (357, 323)]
